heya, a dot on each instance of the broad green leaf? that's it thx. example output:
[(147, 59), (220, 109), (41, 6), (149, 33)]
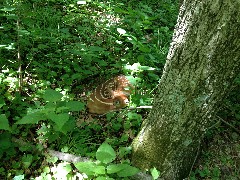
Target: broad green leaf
[(49, 107), (31, 118), (105, 153), (86, 167), (59, 119), (127, 171), (4, 122), (99, 169), (113, 168), (51, 95), (75, 105)]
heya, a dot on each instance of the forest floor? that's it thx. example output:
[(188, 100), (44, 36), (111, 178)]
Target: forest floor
[(220, 159)]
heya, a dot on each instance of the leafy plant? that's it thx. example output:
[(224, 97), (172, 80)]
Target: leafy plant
[(55, 110), (104, 168)]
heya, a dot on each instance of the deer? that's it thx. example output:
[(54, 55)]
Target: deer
[(111, 95)]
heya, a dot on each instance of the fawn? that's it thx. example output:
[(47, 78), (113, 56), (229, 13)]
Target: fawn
[(111, 95)]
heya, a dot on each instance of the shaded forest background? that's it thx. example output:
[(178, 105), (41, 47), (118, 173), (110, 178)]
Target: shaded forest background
[(70, 47)]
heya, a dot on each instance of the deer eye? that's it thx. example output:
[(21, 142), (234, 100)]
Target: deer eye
[(117, 103)]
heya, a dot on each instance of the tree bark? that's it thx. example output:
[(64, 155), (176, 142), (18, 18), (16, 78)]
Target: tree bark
[(203, 60)]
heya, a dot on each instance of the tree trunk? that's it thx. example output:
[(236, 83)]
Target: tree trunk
[(202, 63)]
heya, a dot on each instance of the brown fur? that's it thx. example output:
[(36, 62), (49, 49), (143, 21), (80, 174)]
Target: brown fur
[(110, 95)]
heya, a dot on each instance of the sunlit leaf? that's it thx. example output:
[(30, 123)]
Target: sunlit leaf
[(105, 153), (114, 168), (86, 167), (155, 173), (121, 31)]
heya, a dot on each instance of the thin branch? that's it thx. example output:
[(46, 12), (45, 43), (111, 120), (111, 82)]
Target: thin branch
[(228, 124)]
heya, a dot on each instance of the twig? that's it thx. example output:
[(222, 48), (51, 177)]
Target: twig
[(228, 124)]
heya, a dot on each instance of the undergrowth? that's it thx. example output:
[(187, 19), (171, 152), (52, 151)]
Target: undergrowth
[(52, 54)]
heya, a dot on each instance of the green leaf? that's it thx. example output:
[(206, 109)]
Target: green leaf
[(155, 173), (27, 160), (99, 169), (144, 49), (7, 9), (75, 105), (86, 167), (2, 102), (51, 95), (59, 119), (4, 122), (5, 141), (127, 171), (124, 151), (46, 170), (113, 168), (96, 48), (19, 177), (121, 31), (64, 168), (105, 153), (32, 118)]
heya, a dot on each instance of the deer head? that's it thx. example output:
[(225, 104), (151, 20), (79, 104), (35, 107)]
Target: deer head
[(110, 95)]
